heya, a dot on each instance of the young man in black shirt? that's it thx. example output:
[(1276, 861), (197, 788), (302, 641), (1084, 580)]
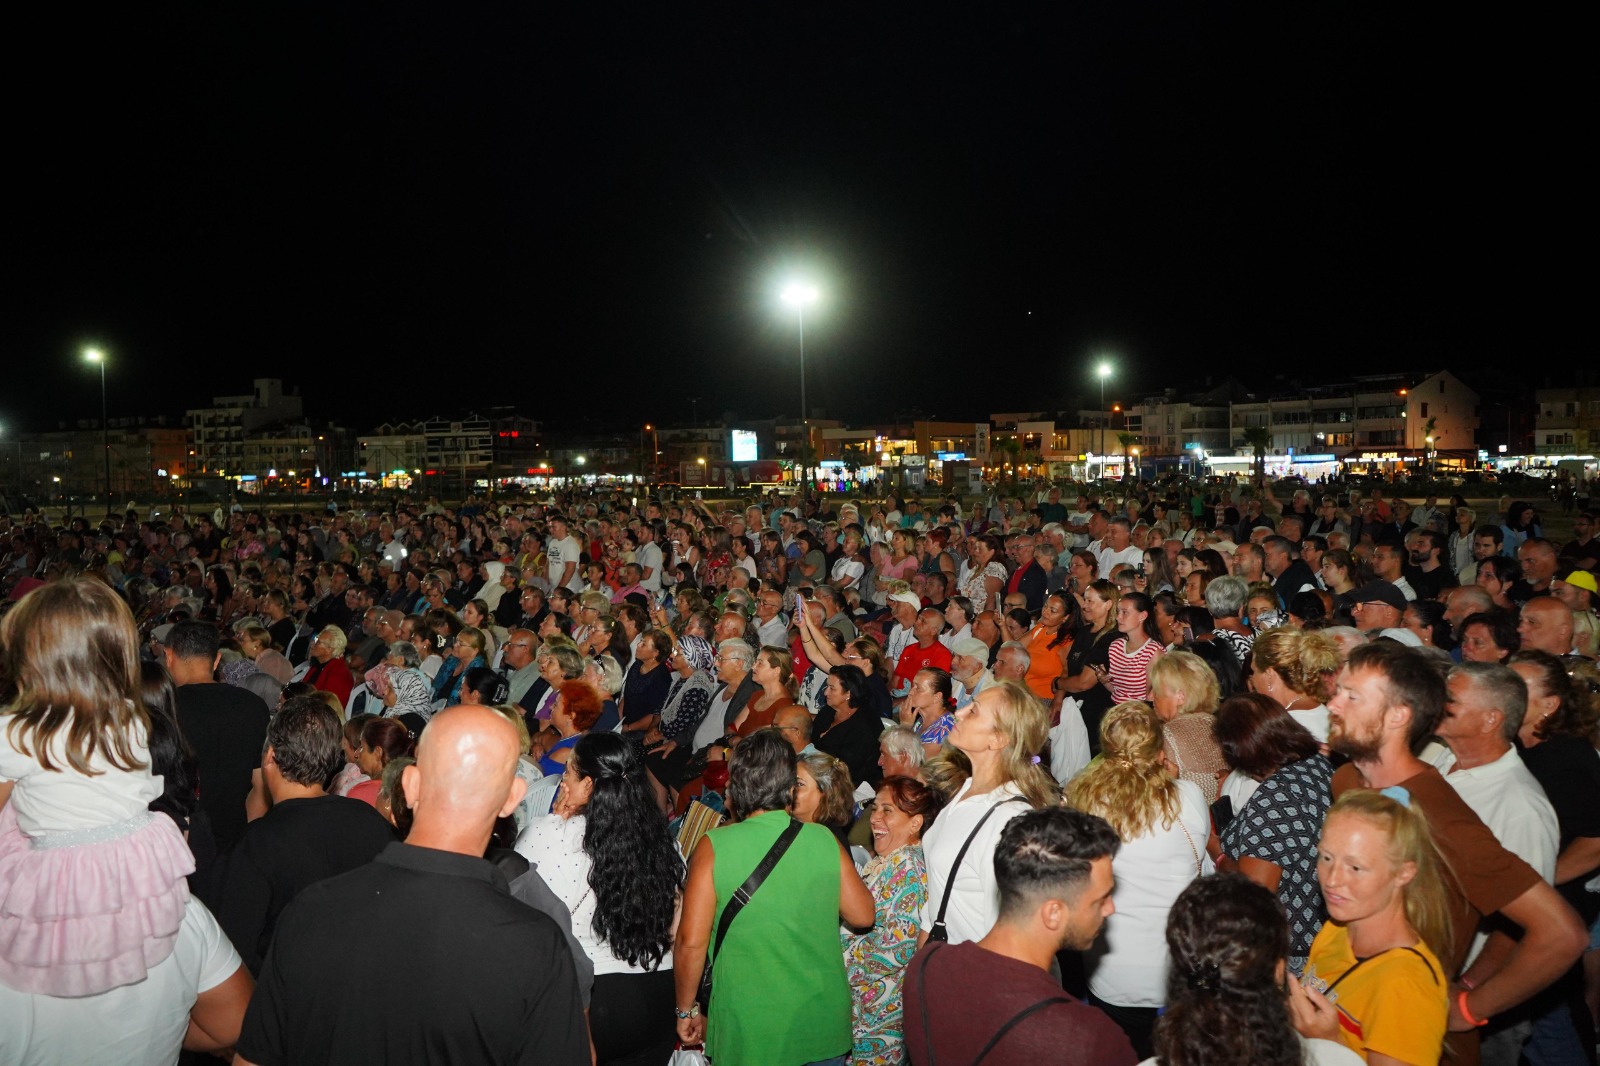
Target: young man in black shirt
[(307, 836)]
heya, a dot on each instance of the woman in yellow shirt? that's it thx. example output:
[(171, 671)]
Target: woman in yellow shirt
[(1373, 980)]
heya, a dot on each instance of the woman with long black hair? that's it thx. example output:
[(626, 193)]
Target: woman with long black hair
[(605, 850)]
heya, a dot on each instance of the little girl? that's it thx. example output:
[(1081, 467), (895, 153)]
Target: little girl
[(92, 888)]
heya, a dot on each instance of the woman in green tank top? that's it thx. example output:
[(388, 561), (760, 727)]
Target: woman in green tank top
[(779, 995)]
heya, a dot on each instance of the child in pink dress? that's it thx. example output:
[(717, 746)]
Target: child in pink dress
[(92, 884)]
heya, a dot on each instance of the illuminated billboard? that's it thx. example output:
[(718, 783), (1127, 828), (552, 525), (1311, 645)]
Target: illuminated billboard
[(744, 446)]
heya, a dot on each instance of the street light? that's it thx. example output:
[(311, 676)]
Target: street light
[(1103, 371), (95, 355), (800, 294)]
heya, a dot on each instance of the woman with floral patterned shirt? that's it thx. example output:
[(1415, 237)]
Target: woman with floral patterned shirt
[(897, 878)]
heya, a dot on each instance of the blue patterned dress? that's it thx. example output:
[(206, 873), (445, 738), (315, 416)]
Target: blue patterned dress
[(876, 961)]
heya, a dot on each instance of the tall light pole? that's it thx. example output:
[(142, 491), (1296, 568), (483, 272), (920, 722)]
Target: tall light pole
[(799, 295), (1103, 371), (95, 355)]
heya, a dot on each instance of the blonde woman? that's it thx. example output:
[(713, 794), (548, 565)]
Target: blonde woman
[(1184, 693), (1294, 667), (1163, 823), (1374, 982), (998, 737)]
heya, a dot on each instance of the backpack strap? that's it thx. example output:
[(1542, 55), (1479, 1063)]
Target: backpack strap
[(1016, 1020)]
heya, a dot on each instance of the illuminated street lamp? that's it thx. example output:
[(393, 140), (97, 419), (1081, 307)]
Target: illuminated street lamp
[(95, 355), (800, 294), (1103, 371)]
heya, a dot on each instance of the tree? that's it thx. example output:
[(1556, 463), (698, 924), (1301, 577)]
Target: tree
[(1259, 440), (1012, 447), (855, 456), (1128, 441)]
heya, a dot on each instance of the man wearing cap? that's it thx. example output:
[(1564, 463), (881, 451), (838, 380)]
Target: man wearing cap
[(969, 658), (1576, 589), (1377, 605), (903, 607), (925, 653)]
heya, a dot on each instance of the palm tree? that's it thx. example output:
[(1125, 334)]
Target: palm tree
[(1012, 447), (854, 456), (1127, 440), (1259, 440)]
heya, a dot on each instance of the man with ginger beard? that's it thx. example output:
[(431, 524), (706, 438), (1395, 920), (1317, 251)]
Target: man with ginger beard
[(491, 981)]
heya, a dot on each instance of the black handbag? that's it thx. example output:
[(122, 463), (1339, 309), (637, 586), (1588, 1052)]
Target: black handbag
[(939, 932), (741, 896)]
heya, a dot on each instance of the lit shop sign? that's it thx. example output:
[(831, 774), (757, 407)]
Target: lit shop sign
[(1379, 457), (945, 457), (1320, 458)]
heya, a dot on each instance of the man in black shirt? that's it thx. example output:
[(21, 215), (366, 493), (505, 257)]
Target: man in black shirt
[(224, 725), (307, 837), (462, 971)]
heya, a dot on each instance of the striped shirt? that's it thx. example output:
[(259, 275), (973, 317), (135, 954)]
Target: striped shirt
[(1130, 673)]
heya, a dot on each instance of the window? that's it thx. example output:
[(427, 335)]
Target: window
[(1424, 410)]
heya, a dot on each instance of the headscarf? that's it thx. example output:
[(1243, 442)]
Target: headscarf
[(689, 697), (492, 589)]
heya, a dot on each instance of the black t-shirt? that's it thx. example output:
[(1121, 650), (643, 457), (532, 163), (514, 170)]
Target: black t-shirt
[(226, 727), (420, 957), (298, 843), (959, 996), (1568, 768), (1089, 650), (853, 742)]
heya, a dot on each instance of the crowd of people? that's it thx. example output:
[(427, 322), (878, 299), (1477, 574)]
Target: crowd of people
[(1183, 774)]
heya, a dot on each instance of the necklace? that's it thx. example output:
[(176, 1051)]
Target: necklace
[(1291, 704)]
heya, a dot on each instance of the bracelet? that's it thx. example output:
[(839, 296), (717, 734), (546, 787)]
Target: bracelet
[(1461, 1005), (692, 1012)]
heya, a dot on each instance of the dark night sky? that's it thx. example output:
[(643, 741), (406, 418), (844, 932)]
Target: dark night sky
[(403, 210)]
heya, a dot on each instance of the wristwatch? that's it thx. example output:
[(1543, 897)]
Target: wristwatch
[(692, 1012)]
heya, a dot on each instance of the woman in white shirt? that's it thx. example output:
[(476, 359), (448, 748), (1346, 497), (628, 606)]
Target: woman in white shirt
[(606, 852), (1163, 824), (1000, 732)]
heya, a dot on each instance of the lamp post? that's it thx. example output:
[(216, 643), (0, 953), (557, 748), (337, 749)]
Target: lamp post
[(800, 295), (647, 428), (1103, 371), (95, 355)]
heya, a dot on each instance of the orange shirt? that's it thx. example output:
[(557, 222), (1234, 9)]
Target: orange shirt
[(1044, 662)]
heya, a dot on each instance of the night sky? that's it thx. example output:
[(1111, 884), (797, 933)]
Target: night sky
[(405, 210)]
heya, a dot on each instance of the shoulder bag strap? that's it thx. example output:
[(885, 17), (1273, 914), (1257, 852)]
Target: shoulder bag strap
[(955, 867), (742, 894), (922, 987), (1016, 1020)]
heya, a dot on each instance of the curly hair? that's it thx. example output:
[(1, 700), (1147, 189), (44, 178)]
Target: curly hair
[(634, 872), (1578, 711), (1226, 935), (1129, 787)]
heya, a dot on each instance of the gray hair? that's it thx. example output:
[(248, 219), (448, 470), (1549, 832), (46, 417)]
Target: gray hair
[(1020, 649), (1472, 516), (610, 673), (1226, 596), (739, 650), (1502, 689), (407, 652), (901, 743)]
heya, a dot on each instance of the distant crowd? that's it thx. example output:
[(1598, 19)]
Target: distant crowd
[(1187, 775)]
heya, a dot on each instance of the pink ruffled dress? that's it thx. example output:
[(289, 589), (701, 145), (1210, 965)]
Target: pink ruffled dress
[(92, 885)]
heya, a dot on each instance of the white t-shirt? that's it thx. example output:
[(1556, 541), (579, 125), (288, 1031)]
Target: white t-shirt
[(555, 845), (974, 897), (141, 1024), (1128, 963), (648, 556), (1315, 720), (560, 553), (1077, 541), (65, 801), (1318, 1053), (711, 727), (1109, 559), (846, 572)]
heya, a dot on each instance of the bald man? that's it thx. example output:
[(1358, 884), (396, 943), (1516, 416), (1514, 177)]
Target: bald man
[(1546, 625), (794, 722), (487, 978)]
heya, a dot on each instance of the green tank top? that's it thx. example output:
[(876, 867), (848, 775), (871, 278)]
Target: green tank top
[(779, 996)]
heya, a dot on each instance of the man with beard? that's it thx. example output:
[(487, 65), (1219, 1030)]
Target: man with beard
[(1387, 701)]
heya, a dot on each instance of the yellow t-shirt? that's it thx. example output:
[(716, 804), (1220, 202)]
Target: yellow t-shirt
[(1395, 1003)]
